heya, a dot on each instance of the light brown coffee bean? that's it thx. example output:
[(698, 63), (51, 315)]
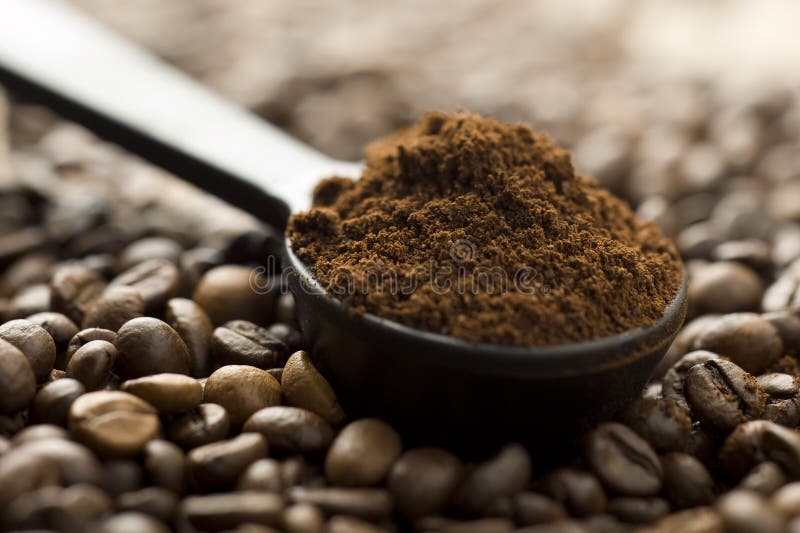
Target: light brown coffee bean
[(423, 480), (579, 491), (113, 423), (38, 432), (263, 475), (194, 326), (149, 346), (92, 363), (156, 280), (165, 465), (765, 478), (744, 512), (697, 520), (73, 289), (35, 344), (17, 380), (303, 518), (243, 343), (233, 292), (623, 461), (159, 503), (349, 524), (749, 340), (51, 404), (218, 512), (168, 393), (362, 453), (370, 504), (242, 390), (505, 474), (291, 429), (128, 522), (219, 464), (85, 336), (303, 386), (114, 307)]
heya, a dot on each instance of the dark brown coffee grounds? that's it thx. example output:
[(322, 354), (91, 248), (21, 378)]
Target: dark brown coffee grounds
[(470, 227)]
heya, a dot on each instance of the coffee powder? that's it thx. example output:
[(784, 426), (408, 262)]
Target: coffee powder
[(470, 227)]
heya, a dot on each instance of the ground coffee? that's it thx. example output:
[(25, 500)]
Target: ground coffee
[(469, 227)]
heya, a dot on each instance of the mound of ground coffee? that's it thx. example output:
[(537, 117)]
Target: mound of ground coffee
[(470, 227)]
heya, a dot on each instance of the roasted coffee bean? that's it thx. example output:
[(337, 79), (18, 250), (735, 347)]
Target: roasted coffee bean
[(673, 381), (91, 364), (286, 309), (29, 269), (580, 492), (291, 429), (73, 289), (303, 518), (529, 508), (146, 249), (292, 338), (38, 432), (749, 340), (60, 328), (194, 327), (156, 280), (724, 287), (76, 464), (687, 482), (220, 464), (54, 508), (502, 476), (757, 441), (159, 503), (623, 461), (638, 510), (207, 423), (219, 512), (121, 476), (149, 346), (168, 393), (788, 326), (785, 412), (165, 465), (348, 524), (51, 404), (85, 336), (197, 261), (17, 380), (262, 475), (113, 423), (11, 424), (129, 522), (423, 480), (722, 395), (765, 478), (683, 343), (243, 343), (303, 386), (115, 306), (233, 292), (362, 453), (24, 472), (744, 512), (697, 520), (662, 422), (778, 385), (242, 390), (786, 500), (370, 504), (35, 344)]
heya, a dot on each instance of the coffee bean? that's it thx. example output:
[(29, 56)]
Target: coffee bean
[(724, 287), (121, 476), (423, 480), (86, 336), (778, 385), (233, 292), (303, 518), (38, 432), (131, 521), (52, 508), (744, 512), (17, 380), (197, 261), (220, 464), (159, 503), (580, 492), (24, 472), (348, 524), (303, 386), (786, 500), (292, 338), (149, 346), (60, 328), (529, 508), (756, 441), (165, 465), (749, 340), (722, 395), (242, 390), (782, 445), (207, 423), (673, 382), (156, 280), (194, 327), (147, 249), (115, 306), (752, 253), (168, 393), (219, 512), (502, 476), (11, 424), (623, 461), (51, 404), (92, 363), (73, 289), (662, 422), (785, 412), (286, 309), (687, 482), (697, 520), (765, 478), (291, 429), (362, 453), (76, 464), (638, 510), (113, 423), (788, 326), (243, 343), (35, 344), (370, 504), (262, 475), (683, 342)]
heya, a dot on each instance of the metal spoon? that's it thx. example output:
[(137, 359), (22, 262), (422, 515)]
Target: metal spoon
[(434, 384)]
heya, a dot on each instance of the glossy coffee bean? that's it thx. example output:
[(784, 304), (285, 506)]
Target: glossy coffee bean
[(687, 483), (17, 380), (578, 491), (149, 346), (205, 424), (638, 510), (292, 338), (242, 390), (423, 480), (233, 292), (165, 465), (156, 280), (75, 462), (24, 472), (60, 328), (291, 429), (194, 327), (243, 343), (30, 300), (114, 307), (786, 500), (146, 249), (370, 504), (744, 512), (673, 381), (128, 522), (303, 386), (756, 441), (623, 461), (722, 395), (92, 363), (502, 476), (697, 520), (765, 478), (168, 393), (662, 422), (35, 344), (349, 524), (219, 464), (51, 404), (73, 289), (262, 475), (113, 423), (749, 340), (303, 518), (362, 453), (785, 412), (530, 508), (778, 385), (218, 512), (85, 336)]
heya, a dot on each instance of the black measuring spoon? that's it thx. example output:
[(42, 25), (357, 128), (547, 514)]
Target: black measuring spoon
[(433, 385)]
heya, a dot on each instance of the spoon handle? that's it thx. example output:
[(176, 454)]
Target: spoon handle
[(53, 53)]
